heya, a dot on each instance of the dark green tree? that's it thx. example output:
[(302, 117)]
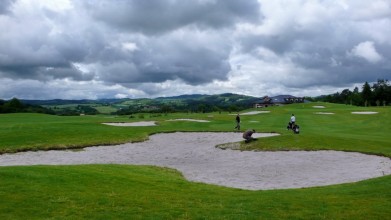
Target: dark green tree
[(366, 94), (166, 109), (15, 103), (356, 98), (12, 106), (380, 95), (345, 96)]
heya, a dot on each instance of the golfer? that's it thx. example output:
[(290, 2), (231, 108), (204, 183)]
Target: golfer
[(247, 135), (293, 119), (237, 122)]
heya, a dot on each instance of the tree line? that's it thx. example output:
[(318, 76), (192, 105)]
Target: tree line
[(190, 106), (377, 94), (16, 106)]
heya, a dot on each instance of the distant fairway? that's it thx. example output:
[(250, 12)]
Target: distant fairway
[(123, 191)]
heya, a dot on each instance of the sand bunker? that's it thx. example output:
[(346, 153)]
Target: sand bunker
[(365, 113), (195, 155), (131, 124), (252, 113), (318, 106), (324, 113), (188, 119)]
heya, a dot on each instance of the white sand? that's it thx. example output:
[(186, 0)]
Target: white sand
[(132, 124), (252, 113), (364, 113), (324, 113), (188, 119), (195, 155), (318, 106)]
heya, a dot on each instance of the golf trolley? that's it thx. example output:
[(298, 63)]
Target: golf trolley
[(294, 127)]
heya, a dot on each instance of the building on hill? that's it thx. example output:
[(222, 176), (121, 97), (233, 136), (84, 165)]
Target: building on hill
[(277, 100)]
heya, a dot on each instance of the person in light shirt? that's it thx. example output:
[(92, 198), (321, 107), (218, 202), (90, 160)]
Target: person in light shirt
[(293, 119)]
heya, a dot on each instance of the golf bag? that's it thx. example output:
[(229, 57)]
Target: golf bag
[(294, 127)]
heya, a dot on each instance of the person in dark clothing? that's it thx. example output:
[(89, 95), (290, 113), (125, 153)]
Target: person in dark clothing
[(248, 135), (237, 122)]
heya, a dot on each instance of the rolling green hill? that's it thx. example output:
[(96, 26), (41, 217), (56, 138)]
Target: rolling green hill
[(183, 103)]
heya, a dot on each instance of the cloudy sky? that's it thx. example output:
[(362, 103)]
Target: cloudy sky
[(91, 49)]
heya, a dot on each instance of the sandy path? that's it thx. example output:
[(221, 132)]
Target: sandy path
[(188, 119), (365, 113), (131, 124), (252, 113), (195, 156)]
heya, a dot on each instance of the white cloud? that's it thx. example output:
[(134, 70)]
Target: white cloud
[(367, 51), (130, 46)]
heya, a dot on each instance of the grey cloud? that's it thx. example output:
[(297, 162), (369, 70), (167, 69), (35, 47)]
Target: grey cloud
[(157, 16), (169, 58), (45, 73), (339, 67), (43, 64), (118, 72), (68, 72), (43, 55), (51, 56), (323, 49), (55, 41), (4, 6), (194, 65)]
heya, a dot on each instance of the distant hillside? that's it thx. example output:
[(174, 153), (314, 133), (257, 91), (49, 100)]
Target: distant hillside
[(183, 103), (192, 96), (192, 103), (69, 101)]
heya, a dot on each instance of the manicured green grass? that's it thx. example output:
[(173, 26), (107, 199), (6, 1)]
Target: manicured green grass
[(339, 131), (35, 131), (145, 192)]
